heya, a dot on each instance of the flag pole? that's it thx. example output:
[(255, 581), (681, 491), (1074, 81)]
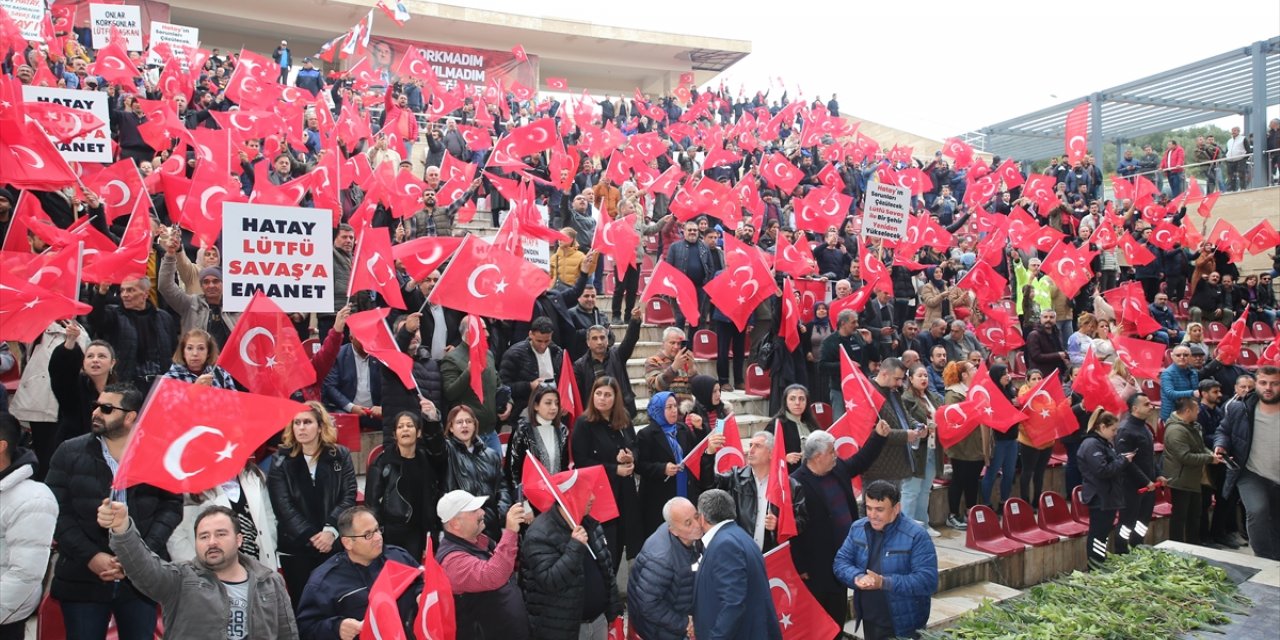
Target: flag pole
[(556, 494)]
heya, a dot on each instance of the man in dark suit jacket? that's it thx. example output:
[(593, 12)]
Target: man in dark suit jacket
[(731, 594), (814, 551), (342, 386)]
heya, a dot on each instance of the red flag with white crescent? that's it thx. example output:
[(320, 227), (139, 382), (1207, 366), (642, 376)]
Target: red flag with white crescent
[(437, 617), (800, 615), (778, 489), (1077, 133), (264, 353), (382, 619)]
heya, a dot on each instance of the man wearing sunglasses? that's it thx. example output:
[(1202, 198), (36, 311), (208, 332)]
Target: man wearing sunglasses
[(337, 595), (89, 581)]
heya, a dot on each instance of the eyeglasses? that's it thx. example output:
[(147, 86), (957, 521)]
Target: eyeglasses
[(107, 409), (367, 536)]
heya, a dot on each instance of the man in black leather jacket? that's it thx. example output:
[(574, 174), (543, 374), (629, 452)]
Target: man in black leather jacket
[(746, 484)]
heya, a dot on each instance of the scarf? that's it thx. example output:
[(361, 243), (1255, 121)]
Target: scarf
[(657, 407)]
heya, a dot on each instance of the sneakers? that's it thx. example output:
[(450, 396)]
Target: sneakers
[(933, 533), (956, 523)]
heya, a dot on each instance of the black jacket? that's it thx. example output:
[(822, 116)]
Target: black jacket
[(615, 366), (74, 391), (525, 441), (339, 589), (653, 452), (741, 484), (1235, 434), (552, 572), (119, 326), (289, 480), (80, 478), (381, 488), (596, 443), (679, 252), (478, 471), (1100, 471), (1135, 436), (396, 397), (815, 548), (520, 367)]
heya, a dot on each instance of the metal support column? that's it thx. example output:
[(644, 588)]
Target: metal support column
[(1257, 118), (1095, 128)]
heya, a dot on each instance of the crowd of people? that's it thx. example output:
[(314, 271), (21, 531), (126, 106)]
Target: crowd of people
[(283, 549)]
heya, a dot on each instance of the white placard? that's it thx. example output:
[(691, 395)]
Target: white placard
[(537, 252), (126, 18), (27, 14), (886, 211), (286, 252), (173, 34), (94, 146)]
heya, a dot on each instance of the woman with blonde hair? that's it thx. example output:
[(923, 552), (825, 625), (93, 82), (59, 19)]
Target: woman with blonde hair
[(1081, 341), (196, 361), (1123, 380), (312, 481), (1194, 337)]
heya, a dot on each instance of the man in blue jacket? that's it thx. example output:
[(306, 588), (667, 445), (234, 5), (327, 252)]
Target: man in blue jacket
[(660, 588), (731, 598), (891, 565), (1178, 380)]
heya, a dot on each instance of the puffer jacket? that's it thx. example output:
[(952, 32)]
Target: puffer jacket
[(194, 601), (335, 477), (80, 479), (525, 442), (1235, 435), (660, 587), (1185, 455), (909, 567), (339, 588), (1100, 471), (551, 573), (741, 484), (477, 470), (35, 400), (28, 513)]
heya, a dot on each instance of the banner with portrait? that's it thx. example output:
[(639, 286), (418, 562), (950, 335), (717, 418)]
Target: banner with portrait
[(454, 64)]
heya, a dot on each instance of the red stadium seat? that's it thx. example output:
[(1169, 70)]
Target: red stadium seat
[(1151, 389), (373, 455), (658, 311), (311, 346), (1167, 359), (1182, 310), (705, 344), (1059, 455), (822, 411), (1020, 524), (1214, 332), (1260, 333), (49, 624), (1055, 516), (758, 381), (1079, 510), (984, 534), (1248, 359), (1164, 503)]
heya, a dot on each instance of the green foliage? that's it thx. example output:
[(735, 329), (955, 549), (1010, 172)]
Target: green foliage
[(1146, 595), (1185, 137)]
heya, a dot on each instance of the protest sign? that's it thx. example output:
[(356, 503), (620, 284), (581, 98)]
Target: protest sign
[(94, 146), (886, 211), (285, 252), (172, 34), (537, 252), (27, 14), (126, 18)]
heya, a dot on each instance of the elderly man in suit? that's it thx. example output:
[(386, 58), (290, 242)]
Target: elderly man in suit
[(731, 594)]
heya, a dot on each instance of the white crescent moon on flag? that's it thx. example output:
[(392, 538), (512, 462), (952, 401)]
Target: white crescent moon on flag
[(471, 280), (36, 161), (779, 583), (249, 336), (568, 484), (125, 192), (173, 454)]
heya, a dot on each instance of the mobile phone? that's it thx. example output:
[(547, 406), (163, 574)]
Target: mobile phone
[(1231, 463)]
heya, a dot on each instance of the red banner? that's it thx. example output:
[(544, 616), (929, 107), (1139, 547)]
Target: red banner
[(454, 64)]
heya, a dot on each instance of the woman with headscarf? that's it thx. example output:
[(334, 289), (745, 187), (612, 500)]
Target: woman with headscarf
[(660, 450), (1000, 449), (819, 329), (933, 294), (707, 408)]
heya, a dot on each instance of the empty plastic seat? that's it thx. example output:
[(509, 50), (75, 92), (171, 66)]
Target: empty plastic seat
[(311, 346), (1079, 510), (1020, 524), (373, 455), (1261, 333), (1248, 359), (1055, 516), (1214, 332), (1059, 455), (658, 311), (758, 380), (822, 412), (984, 533), (705, 344)]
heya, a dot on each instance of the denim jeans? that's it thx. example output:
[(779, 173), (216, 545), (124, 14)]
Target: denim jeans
[(915, 491), (1004, 459), (135, 617), (837, 402), (1261, 499), (491, 440)]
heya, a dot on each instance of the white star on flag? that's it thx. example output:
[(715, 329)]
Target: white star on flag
[(227, 452)]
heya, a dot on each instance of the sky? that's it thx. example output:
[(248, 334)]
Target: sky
[(956, 66)]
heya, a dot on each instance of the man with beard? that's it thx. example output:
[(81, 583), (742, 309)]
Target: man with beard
[(1249, 441), (221, 593), (89, 580)]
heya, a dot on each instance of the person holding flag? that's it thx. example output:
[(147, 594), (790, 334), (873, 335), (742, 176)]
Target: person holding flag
[(826, 481), (219, 594), (661, 454), (747, 485), (891, 565)]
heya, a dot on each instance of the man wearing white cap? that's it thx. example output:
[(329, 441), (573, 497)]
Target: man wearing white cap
[(284, 58), (487, 599)]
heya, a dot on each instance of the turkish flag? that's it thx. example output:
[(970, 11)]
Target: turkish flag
[(1068, 267), (54, 269), (861, 400), (790, 261), (373, 268), (202, 208), (1144, 358), (800, 615), (382, 619), (821, 209), (855, 302), (557, 83), (1077, 142), (26, 309), (666, 183), (490, 283), (618, 240), (1048, 412), (1262, 237), (190, 437), (127, 261), (1206, 206), (737, 291), (999, 337), (1094, 386), (728, 457), (478, 352), (985, 282), (667, 280), (370, 328), (779, 173), (778, 489), (1135, 253), (790, 327), (1270, 355), (956, 421), (1166, 235), (437, 618), (958, 150), (572, 489), (1104, 237), (1009, 172), (119, 186), (264, 352), (998, 412), (113, 64), (1227, 238), (1228, 351), (1130, 305), (28, 159), (571, 403), (1040, 190), (63, 123), (422, 256), (28, 215)]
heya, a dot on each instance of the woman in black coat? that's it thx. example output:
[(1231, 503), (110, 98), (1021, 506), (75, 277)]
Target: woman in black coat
[(798, 421), (603, 435), (77, 378), (312, 481), (401, 486), (542, 425), (1102, 472), (661, 448)]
